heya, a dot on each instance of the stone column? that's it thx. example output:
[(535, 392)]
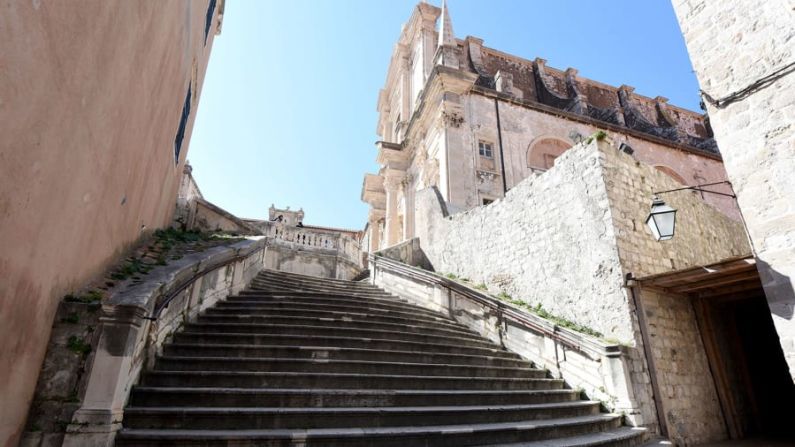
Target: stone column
[(392, 186), (407, 187), (375, 229)]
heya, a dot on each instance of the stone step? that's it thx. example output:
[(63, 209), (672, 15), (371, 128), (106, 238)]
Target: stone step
[(264, 283), (222, 418), (617, 437), (320, 306), (346, 300), (257, 397), (251, 379), (277, 288), (327, 341), (432, 435), (339, 322), (311, 312), (298, 278), (304, 285), (309, 352), (287, 329), (180, 363)]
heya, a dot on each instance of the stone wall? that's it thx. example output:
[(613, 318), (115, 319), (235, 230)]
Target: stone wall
[(322, 263), (732, 44), (692, 410), (550, 241), (704, 235), (566, 238), (615, 375), (209, 217), (522, 127), (92, 98), (135, 323)]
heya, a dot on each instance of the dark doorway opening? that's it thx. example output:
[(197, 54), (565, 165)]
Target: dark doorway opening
[(751, 376)]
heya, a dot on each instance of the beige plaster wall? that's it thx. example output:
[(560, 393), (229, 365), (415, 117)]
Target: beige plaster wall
[(732, 44), (91, 95), (522, 127)]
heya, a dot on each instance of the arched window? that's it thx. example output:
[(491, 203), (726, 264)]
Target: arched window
[(671, 173), (542, 153)]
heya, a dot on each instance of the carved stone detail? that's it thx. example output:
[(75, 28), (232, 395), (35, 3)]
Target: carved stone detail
[(452, 119)]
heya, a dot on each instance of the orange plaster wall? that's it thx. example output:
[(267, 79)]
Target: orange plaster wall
[(91, 94)]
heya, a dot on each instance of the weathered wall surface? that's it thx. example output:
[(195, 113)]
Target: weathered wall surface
[(615, 375), (732, 44), (294, 258), (691, 406), (210, 217), (135, 324), (703, 235), (91, 98), (566, 238), (549, 241), (523, 127)]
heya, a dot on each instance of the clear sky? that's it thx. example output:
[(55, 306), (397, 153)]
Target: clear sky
[(287, 112)]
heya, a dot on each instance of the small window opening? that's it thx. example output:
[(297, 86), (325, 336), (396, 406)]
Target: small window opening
[(485, 149), (183, 123), (488, 201), (208, 21)]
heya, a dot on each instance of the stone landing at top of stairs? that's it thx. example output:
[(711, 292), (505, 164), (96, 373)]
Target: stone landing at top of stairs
[(301, 361)]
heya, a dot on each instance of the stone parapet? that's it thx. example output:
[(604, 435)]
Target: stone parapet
[(603, 370), (135, 322)]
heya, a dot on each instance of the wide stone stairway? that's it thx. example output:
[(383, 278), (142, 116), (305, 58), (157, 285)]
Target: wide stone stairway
[(302, 361)]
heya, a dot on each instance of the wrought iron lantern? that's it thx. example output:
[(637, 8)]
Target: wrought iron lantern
[(661, 220)]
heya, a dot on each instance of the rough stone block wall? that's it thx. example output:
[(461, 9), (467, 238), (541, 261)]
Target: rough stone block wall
[(565, 239), (732, 44), (703, 235), (691, 406), (550, 241)]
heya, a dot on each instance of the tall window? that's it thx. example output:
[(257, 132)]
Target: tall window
[(183, 123), (208, 21), (485, 149)]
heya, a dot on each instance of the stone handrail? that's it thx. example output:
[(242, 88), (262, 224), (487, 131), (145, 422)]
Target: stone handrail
[(571, 339), (137, 320), (599, 368)]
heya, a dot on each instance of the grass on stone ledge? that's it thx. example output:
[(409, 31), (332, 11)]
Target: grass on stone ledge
[(538, 309)]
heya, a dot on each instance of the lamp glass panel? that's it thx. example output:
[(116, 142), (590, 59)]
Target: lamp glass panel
[(665, 223)]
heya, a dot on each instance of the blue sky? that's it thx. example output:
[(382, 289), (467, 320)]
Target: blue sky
[(287, 113)]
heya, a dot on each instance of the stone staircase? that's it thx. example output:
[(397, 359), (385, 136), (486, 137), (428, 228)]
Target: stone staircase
[(302, 361)]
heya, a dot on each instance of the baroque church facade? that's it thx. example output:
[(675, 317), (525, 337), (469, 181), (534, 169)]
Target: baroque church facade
[(474, 122)]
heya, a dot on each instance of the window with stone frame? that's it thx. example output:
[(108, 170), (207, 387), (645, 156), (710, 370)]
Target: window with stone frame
[(183, 124), (485, 149)]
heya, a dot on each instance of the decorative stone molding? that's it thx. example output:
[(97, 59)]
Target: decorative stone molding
[(452, 119), (486, 176)]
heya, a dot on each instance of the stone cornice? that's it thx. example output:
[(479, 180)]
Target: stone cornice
[(594, 122)]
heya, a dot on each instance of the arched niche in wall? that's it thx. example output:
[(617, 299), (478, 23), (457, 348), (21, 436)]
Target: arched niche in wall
[(671, 173), (542, 152)]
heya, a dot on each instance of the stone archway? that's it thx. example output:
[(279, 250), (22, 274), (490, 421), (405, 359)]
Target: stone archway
[(542, 152), (671, 173)]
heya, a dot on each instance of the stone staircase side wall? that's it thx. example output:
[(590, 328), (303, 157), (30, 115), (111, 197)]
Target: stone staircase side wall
[(136, 322), (613, 374)]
